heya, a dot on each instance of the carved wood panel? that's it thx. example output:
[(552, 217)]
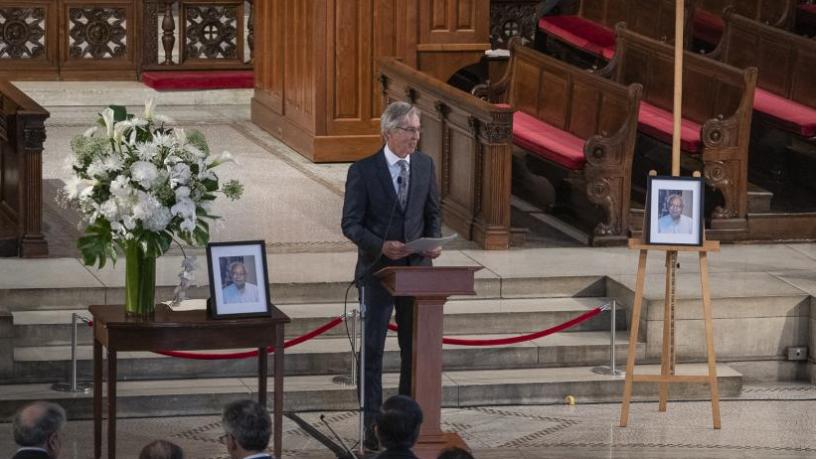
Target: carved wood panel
[(453, 21), (98, 40), (213, 31), (23, 32), (511, 18), (97, 32)]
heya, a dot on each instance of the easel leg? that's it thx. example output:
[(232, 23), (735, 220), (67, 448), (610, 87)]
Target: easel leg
[(633, 335), (709, 332), (665, 355)]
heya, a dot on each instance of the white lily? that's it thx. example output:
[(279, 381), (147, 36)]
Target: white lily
[(150, 108), (107, 117)]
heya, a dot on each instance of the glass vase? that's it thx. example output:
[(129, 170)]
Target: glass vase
[(140, 282)]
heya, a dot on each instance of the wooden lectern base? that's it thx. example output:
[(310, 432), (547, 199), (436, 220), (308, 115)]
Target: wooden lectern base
[(429, 447)]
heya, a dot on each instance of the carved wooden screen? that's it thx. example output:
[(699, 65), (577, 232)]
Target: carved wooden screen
[(92, 39)]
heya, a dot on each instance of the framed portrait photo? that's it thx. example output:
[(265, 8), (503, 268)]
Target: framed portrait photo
[(674, 211), (238, 279)]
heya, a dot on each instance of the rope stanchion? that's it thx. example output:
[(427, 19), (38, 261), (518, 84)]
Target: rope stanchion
[(521, 338), (253, 353)]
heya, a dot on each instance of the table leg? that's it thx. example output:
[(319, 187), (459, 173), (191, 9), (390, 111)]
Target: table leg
[(111, 404), (278, 406), (262, 375), (97, 401)]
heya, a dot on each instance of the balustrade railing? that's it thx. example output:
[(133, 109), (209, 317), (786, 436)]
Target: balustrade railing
[(117, 39)]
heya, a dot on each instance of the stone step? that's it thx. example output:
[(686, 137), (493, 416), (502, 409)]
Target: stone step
[(131, 93), (510, 315), (61, 298), (759, 199), (328, 356), (187, 397)]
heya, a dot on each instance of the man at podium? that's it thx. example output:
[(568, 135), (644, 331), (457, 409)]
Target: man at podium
[(391, 197)]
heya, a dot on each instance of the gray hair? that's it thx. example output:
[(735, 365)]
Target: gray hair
[(36, 422), (394, 114), (236, 264), (161, 449), (249, 423)]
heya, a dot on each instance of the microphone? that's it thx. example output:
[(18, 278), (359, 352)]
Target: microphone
[(399, 180)]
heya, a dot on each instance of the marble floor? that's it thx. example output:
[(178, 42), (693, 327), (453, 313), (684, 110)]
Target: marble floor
[(767, 421)]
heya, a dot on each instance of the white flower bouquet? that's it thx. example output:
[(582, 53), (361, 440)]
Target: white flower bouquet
[(139, 184)]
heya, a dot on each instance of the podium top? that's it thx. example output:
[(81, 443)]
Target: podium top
[(428, 281)]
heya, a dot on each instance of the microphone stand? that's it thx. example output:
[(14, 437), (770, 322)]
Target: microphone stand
[(361, 366)]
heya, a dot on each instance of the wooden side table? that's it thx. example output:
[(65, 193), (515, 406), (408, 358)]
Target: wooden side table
[(182, 330)]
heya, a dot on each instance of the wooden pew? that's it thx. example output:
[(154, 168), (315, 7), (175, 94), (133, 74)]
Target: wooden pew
[(707, 25), (573, 120), (717, 101), (22, 133), (785, 101), (590, 31), (470, 142), (786, 88)]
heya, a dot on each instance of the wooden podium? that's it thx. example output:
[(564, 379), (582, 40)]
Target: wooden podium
[(431, 287)]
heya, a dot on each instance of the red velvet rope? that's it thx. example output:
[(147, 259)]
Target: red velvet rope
[(521, 338), (337, 320), (253, 353)]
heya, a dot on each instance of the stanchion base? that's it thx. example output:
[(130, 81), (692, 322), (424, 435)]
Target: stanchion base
[(605, 370), (81, 388), (343, 380)]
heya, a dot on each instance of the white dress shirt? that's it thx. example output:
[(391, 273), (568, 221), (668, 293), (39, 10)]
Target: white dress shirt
[(393, 167)]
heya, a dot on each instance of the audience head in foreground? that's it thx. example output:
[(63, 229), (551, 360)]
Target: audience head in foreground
[(38, 430), (161, 449), (248, 427), (398, 424), (455, 453)]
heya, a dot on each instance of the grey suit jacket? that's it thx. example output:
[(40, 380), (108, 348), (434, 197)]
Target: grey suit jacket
[(372, 215)]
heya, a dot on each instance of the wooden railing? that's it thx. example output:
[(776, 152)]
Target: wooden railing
[(198, 34), (117, 39), (470, 143), (22, 133)]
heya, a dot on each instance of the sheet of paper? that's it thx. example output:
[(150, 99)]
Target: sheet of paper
[(429, 243)]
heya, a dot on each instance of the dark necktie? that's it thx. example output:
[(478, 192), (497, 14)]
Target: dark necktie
[(402, 192)]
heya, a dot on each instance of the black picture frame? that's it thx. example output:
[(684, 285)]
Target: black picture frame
[(227, 298), (674, 211)]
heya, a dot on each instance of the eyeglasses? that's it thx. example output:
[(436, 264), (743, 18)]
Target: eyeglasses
[(410, 130)]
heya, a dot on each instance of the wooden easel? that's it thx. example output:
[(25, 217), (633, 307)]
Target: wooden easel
[(668, 356)]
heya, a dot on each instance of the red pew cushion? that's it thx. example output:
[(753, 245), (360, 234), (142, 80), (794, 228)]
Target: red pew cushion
[(658, 123), (708, 27), (548, 141), (581, 33), (789, 115), (806, 14)]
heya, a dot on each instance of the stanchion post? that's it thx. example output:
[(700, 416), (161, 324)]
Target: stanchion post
[(611, 369), (613, 337), (72, 385)]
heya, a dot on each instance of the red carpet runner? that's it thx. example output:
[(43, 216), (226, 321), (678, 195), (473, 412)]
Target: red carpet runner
[(191, 81)]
